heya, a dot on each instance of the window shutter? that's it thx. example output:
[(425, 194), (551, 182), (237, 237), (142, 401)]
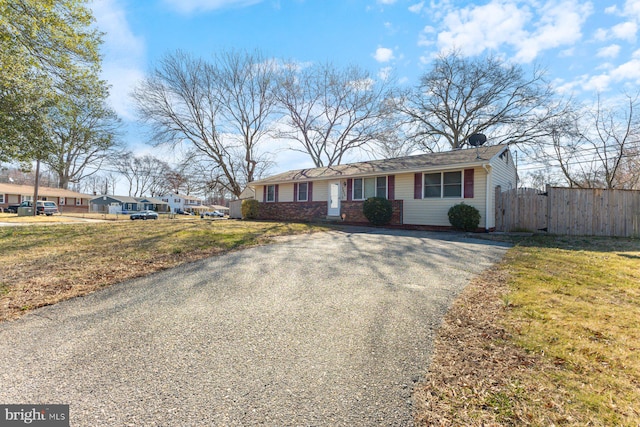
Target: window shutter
[(275, 198), (349, 189), (417, 186), (310, 192), (295, 191), (264, 193), (468, 183), (391, 187)]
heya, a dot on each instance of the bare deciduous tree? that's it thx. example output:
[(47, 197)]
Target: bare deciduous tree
[(599, 147), (331, 111), (462, 96), (145, 175), (83, 132), (221, 108)]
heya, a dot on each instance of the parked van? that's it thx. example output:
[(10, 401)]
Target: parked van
[(42, 207)]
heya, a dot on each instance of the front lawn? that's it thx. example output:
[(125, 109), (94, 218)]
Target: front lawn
[(550, 336), (45, 264)]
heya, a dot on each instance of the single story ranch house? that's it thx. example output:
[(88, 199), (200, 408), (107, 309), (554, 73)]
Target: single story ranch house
[(421, 188)]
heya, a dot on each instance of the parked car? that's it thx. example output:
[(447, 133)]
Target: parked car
[(144, 215), (212, 214), (42, 207), (12, 208)]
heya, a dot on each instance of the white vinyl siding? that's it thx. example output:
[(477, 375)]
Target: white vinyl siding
[(285, 193), (434, 211)]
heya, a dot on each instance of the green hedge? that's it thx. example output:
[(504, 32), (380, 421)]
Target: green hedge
[(377, 210), (464, 217), (250, 209)]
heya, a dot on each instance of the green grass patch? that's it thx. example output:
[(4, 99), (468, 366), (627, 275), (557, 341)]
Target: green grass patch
[(49, 263), (576, 302)]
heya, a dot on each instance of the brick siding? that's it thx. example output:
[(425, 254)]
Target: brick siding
[(313, 211)]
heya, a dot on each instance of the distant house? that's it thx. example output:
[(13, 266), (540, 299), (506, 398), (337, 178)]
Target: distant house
[(126, 204), (181, 202), (421, 188), (67, 200)]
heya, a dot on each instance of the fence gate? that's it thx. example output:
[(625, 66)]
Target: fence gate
[(522, 209)]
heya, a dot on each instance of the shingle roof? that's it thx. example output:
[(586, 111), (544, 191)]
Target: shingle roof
[(386, 166), (6, 188)]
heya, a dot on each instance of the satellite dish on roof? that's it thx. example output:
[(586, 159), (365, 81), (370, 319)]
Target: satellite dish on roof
[(477, 139)]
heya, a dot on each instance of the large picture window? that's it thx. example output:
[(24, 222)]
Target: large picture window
[(443, 184), (363, 188)]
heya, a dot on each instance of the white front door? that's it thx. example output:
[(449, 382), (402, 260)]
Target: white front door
[(334, 199)]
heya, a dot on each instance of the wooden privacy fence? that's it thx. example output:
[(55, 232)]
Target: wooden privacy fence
[(569, 211)]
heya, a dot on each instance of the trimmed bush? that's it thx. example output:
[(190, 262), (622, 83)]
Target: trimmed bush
[(377, 210), (250, 209), (464, 217)]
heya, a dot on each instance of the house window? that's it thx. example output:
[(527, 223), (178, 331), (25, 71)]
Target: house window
[(271, 193), (78, 201), (452, 184), (27, 198), (443, 184), (303, 191), (62, 201), (1, 198), (363, 188)]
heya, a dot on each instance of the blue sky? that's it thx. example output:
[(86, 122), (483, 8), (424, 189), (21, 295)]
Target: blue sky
[(588, 47)]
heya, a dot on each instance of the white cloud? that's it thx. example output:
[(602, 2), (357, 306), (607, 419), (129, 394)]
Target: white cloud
[(416, 8), (189, 6), (629, 71), (632, 8), (124, 52), (598, 83), (387, 1), (385, 73), (625, 31), (383, 54), (610, 51), (477, 28), (527, 27), (611, 10)]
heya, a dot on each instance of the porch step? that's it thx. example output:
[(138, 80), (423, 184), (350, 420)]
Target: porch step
[(331, 218)]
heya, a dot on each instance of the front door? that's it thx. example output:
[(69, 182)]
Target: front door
[(334, 199)]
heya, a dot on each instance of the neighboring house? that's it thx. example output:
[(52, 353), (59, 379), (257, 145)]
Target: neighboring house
[(421, 188), (125, 204), (235, 206), (67, 200), (180, 202)]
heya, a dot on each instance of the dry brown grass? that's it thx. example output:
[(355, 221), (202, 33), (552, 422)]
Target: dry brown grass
[(547, 337), (42, 265)]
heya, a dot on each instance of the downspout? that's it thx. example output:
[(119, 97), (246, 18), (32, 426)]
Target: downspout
[(487, 168)]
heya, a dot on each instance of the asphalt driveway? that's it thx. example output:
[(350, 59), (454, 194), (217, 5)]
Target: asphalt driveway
[(320, 330)]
